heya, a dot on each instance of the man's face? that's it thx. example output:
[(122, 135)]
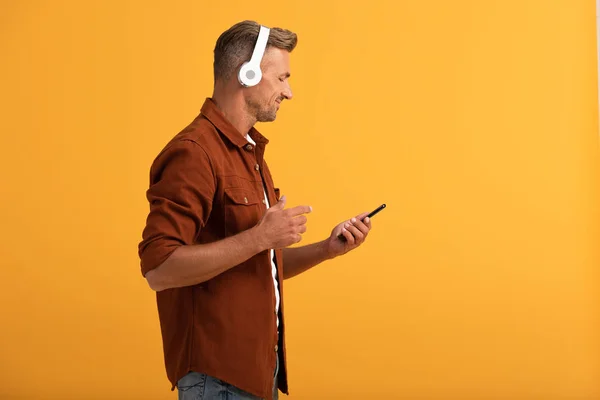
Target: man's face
[(263, 100)]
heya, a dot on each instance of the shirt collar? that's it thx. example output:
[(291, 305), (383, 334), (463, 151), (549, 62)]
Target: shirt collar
[(218, 119)]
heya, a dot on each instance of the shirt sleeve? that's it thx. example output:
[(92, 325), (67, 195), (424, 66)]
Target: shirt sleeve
[(182, 187)]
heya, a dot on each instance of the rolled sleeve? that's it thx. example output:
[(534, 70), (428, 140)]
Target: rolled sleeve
[(182, 187)]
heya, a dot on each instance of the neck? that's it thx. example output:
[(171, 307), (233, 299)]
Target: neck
[(230, 101)]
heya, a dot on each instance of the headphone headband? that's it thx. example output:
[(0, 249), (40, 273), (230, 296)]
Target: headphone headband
[(261, 45)]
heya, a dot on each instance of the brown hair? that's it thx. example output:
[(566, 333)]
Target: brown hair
[(235, 45)]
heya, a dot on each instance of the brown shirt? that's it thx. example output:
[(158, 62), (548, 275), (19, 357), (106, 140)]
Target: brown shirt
[(205, 185)]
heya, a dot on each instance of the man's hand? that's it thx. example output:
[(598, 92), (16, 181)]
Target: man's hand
[(354, 230), (281, 228)]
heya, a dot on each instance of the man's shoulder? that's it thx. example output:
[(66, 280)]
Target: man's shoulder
[(199, 141), (200, 135), (201, 132)]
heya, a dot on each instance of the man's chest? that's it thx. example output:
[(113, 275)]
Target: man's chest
[(244, 190)]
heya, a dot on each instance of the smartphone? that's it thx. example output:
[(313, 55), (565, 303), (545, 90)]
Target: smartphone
[(371, 214)]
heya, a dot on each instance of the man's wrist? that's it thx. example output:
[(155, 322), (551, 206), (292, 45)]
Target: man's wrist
[(325, 250), (253, 238)]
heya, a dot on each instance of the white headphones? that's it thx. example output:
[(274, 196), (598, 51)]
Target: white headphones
[(250, 73)]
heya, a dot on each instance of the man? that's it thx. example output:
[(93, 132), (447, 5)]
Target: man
[(215, 247)]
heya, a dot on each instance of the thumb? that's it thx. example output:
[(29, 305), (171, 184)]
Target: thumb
[(281, 203)]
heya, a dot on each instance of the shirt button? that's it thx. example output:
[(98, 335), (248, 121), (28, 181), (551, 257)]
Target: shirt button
[(276, 348), (248, 147), (264, 201), (256, 167)]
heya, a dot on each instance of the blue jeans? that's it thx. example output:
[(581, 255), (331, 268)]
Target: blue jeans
[(197, 386)]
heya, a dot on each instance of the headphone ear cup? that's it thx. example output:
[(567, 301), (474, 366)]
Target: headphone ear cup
[(249, 74), (256, 75), (242, 74)]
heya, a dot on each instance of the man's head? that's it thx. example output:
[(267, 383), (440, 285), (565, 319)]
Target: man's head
[(235, 46)]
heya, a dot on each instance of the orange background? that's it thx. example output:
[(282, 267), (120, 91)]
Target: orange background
[(476, 122)]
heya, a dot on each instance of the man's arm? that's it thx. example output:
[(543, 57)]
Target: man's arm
[(193, 264), (301, 259)]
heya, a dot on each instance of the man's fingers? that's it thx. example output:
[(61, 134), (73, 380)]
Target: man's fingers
[(299, 210), (281, 203), (348, 236), (358, 235), (360, 225), (364, 220), (362, 216), (301, 220)]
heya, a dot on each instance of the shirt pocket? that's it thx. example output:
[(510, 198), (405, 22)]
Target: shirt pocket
[(243, 210)]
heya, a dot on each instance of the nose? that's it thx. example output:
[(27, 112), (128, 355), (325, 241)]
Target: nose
[(287, 92)]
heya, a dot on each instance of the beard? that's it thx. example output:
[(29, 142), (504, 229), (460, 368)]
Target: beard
[(262, 112), (266, 115)]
